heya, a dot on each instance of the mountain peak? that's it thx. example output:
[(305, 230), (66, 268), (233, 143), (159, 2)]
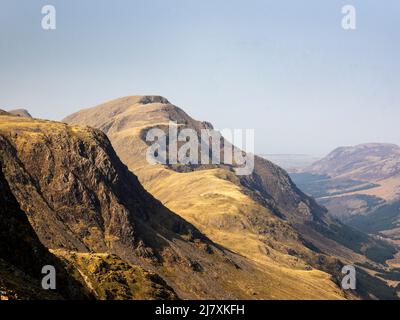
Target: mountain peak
[(140, 99), (20, 113)]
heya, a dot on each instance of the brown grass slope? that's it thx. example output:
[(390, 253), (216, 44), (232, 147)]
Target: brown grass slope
[(263, 217)]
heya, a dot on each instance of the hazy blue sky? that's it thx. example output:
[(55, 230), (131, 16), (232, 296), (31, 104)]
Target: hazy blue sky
[(285, 68)]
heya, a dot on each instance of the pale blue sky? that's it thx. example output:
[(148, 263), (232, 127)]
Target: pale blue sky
[(285, 68)]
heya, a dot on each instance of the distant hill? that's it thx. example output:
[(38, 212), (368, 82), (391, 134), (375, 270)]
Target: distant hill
[(354, 180), (367, 162), (20, 113)]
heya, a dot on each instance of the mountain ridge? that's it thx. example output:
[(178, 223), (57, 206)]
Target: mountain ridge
[(82, 198), (248, 215)]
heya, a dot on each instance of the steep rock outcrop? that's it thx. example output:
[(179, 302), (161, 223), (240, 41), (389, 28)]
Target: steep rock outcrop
[(22, 257)]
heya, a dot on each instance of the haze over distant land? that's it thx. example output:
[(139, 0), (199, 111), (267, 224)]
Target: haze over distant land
[(286, 69), (291, 162)]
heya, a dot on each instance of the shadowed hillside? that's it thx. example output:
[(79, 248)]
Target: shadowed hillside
[(22, 257)]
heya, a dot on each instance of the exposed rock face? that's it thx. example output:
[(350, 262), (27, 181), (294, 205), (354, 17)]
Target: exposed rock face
[(263, 216), (79, 275), (20, 113), (111, 278), (22, 257)]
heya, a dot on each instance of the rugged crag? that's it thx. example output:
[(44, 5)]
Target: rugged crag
[(110, 278), (22, 257)]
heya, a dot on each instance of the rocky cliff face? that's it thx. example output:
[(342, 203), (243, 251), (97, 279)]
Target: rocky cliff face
[(22, 257), (110, 278), (263, 216), (78, 275)]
